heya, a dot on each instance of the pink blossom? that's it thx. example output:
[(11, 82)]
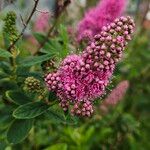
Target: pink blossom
[(104, 13), (42, 22), (115, 96), (81, 79)]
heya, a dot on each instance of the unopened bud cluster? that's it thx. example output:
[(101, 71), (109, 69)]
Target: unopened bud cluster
[(82, 109), (81, 79), (107, 47), (9, 29), (32, 84)]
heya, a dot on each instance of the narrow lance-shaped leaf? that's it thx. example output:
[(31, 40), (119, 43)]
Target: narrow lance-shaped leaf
[(35, 60)]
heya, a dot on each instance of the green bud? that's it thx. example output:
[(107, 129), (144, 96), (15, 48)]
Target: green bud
[(32, 85)]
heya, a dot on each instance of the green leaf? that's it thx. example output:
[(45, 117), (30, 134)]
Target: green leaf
[(25, 72), (64, 34), (5, 53), (40, 38), (19, 130), (5, 117), (30, 110), (18, 97), (59, 146), (53, 46), (56, 46), (35, 60), (5, 66), (55, 115)]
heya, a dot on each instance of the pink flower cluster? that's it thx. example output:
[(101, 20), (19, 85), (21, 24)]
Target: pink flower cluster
[(115, 96), (82, 78), (104, 13)]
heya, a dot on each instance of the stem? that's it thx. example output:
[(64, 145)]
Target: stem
[(25, 25)]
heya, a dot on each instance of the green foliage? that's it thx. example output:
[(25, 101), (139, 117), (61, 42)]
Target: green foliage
[(60, 146), (55, 115), (7, 84), (30, 110), (19, 130), (28, 62), (5, 54), (2, 145), (18, 97), (58, 46), (126, 126)]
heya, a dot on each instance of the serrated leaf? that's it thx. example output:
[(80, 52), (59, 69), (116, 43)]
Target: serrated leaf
[(19, 130), (35, 60), (5, 53), (30, 110), (59, 146), (18, 97)]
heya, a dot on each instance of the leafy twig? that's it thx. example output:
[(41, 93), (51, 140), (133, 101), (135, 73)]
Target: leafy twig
[(25, 25), (66, 3)]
